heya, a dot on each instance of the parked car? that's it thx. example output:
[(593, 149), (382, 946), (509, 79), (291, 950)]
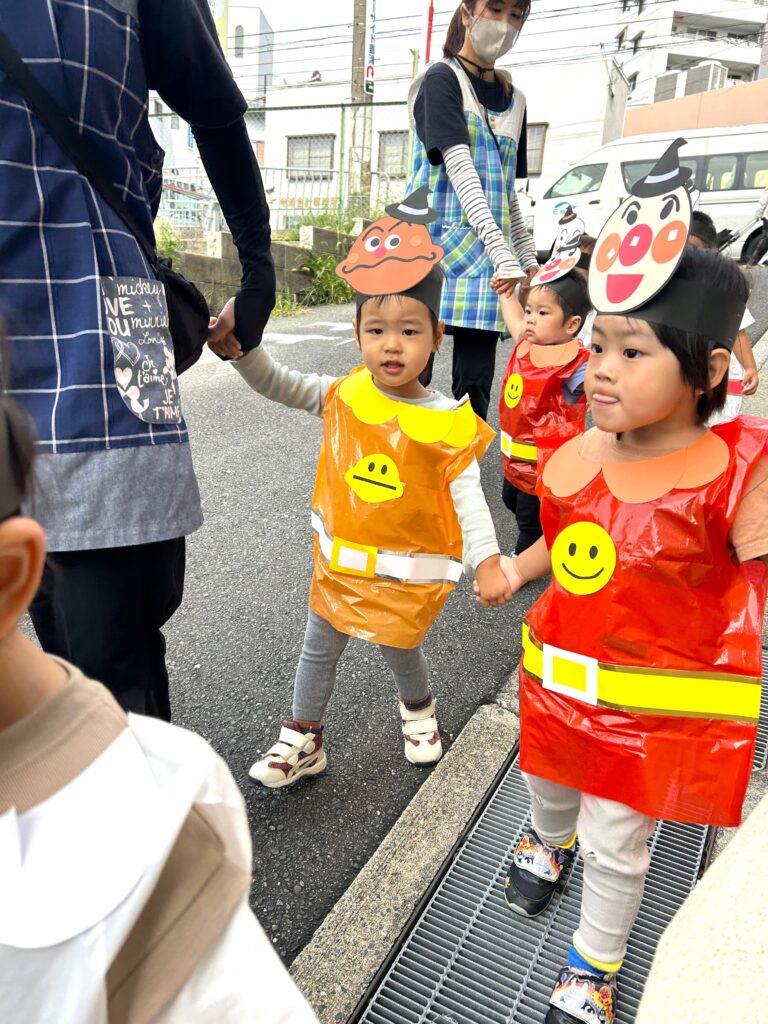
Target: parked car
[(730, 168)]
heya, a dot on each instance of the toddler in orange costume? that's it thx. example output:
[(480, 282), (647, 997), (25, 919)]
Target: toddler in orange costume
[(397, 503)]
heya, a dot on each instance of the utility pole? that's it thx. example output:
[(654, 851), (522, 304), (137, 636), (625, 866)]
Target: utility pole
[(363, 44)]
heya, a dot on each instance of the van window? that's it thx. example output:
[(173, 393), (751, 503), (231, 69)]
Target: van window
[(634, 170), (577, 181), (756, 171), (720, 172)]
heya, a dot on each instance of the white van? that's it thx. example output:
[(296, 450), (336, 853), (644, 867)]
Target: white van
[(730, 168)]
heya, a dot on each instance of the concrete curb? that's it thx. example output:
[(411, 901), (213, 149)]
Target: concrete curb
[(337, 966)]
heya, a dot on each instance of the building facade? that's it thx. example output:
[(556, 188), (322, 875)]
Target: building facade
[(661, 44)]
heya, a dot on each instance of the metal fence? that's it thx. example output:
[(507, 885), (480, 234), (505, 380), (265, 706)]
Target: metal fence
[(295, 196)]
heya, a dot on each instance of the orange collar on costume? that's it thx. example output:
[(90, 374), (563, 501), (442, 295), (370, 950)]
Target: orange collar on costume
[(454, 427), (549, 355), (696, 465)]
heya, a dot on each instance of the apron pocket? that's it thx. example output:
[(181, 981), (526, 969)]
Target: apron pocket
[(142, 350)]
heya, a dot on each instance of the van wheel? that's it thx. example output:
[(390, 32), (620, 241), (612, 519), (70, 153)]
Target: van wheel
[(751, 252)]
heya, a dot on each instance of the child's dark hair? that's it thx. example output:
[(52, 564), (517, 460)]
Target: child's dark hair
[(577, 303), (18, 451), (703, 228), (693, 350), (379, 300), (454, 40)]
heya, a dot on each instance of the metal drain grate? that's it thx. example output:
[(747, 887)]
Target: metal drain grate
[(761, 743), (470, 960)]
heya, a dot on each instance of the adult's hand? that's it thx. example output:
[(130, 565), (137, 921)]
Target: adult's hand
[(525, 287), (221, 333)]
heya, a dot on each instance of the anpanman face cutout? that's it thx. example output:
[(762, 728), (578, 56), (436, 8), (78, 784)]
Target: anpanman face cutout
[(642, 242), (392, 255)]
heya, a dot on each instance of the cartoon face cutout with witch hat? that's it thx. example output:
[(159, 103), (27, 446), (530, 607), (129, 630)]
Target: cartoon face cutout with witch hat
[(566, 254), (396, 252), (642, 242)]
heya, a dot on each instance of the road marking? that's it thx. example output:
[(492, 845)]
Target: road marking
[(333, 324), (280, 338)]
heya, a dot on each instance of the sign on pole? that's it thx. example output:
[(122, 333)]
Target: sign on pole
[(371, 50)]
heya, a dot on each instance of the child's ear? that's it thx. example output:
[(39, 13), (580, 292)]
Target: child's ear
[(439, 336), (719, 362), (573, 326), (22, 557), (356, 329)]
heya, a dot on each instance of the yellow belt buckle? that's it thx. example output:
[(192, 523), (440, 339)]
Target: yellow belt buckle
[(569, 674), (340, 547), (506, 445)]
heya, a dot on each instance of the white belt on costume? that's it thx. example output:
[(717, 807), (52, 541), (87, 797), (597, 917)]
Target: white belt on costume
[(364, 560)]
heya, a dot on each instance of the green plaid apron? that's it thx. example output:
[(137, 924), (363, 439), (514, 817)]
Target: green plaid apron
[(468, 300)]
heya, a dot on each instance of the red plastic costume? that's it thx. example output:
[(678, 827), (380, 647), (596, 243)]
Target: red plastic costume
[(659, 594), (388, 545), (533, 405)]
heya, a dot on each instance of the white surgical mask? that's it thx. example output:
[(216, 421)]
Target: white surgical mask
[(491, 39)]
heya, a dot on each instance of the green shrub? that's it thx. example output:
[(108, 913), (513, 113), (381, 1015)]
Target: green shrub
[(326, 287), (168, 240)]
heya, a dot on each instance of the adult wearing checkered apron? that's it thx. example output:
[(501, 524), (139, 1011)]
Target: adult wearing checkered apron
[(468, 125), (115, 489)]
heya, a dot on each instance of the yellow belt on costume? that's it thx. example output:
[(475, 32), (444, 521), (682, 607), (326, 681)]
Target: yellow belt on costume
[(524, 451), (643, 690), (365, 560)]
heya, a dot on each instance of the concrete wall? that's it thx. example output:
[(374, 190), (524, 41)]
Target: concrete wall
[(218, 278), (735, 105)]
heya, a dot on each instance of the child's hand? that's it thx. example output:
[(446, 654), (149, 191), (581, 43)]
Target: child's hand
[(751, 381), (221, 333), (506, 285), (491, 586), (514, 577)]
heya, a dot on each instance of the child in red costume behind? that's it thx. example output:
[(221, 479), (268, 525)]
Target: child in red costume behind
[(641, 666), (542, 392)]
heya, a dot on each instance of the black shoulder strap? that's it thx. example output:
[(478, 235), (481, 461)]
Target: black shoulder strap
[(78, 147)]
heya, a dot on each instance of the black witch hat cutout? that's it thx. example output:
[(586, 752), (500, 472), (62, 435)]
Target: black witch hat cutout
[(414, 209), (642, 242)]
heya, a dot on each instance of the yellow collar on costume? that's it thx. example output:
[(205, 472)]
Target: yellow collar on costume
[(454, 427)]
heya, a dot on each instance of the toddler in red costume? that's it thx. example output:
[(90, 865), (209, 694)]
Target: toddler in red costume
[(641, 666), (542, 393)]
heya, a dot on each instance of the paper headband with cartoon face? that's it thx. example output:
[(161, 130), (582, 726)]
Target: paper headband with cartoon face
[(396, 253), (639, 250)]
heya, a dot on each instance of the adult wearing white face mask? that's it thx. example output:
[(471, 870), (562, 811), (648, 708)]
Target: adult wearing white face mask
[(469, 146)]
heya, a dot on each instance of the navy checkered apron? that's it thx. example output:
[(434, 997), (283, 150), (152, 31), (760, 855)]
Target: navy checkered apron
[(468, 300), (92, 380)]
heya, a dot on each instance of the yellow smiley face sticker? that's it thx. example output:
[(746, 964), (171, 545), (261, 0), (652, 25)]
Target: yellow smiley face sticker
[(583, 558), (375, 478), (513, 392)]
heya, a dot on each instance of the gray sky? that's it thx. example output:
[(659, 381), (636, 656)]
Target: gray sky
[(555, 27)]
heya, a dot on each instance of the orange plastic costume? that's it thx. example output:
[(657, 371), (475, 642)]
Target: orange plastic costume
[(388, 545), (532, 404), (640, 675)]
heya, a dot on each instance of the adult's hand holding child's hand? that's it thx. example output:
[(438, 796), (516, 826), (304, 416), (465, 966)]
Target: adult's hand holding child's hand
[(491, 586), (221, 333)]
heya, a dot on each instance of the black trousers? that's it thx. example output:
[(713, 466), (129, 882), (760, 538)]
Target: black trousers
[(474, 364), (526, 508), (103, 611)]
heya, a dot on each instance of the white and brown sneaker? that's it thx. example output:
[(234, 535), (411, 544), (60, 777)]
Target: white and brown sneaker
[(422, 737), (296, 754)]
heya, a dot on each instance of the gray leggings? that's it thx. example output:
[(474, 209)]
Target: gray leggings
[(613, 840), (316, 673)]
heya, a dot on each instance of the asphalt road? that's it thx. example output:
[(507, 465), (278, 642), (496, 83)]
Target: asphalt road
[(234, 644)]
